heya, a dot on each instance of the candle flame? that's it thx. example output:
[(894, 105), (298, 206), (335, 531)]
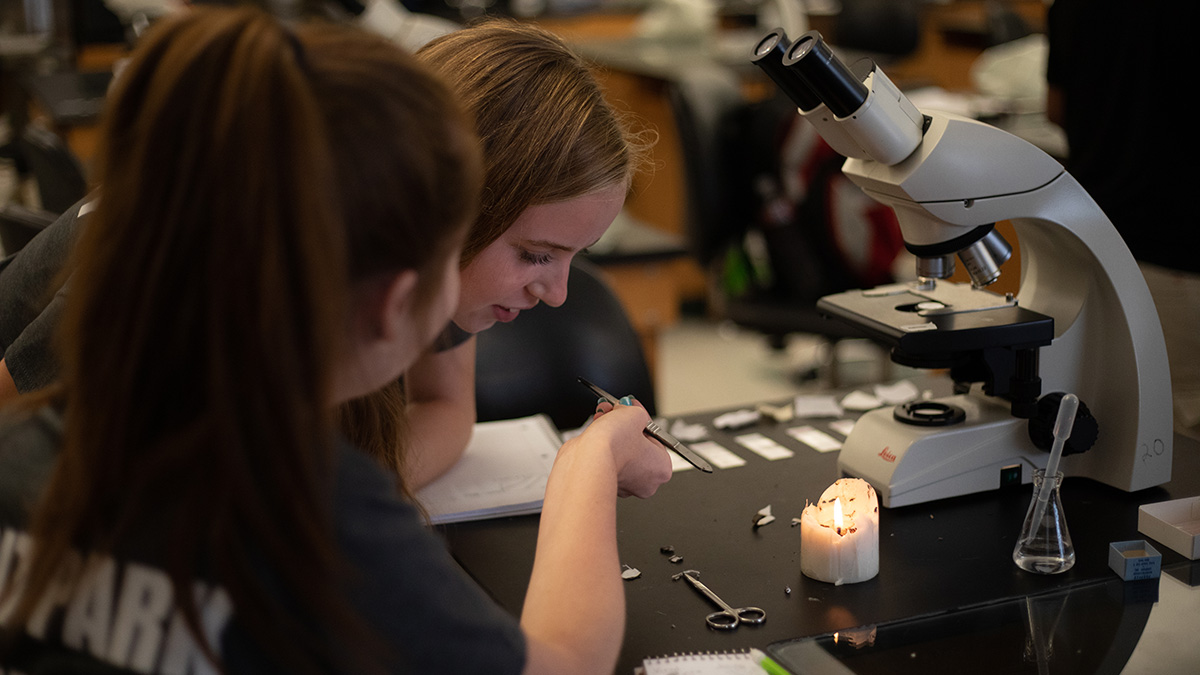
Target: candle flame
[(837, 515)]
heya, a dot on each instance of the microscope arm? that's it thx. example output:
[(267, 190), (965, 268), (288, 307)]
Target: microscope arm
[(949, 179)]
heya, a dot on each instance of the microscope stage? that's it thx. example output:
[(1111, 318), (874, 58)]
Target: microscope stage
[(948, 318)]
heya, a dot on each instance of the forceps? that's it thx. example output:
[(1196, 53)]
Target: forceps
[(656, 432), (728, 618)]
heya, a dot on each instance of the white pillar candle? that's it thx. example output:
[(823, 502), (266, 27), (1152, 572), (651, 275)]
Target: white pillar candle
[(839, 535)]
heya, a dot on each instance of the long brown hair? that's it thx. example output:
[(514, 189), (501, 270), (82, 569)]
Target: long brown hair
[(548, 133), (251, 174)]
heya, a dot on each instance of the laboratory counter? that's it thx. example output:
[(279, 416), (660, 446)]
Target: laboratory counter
[(944, 566)]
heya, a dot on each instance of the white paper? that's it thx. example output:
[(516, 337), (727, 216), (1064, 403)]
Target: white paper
[(736, 419), (764, 446), (781, 413), (843, 427), (688, 433), (861, 400), (717, 455), (817, 406), (895, 394), (815, 438), (502, 472)]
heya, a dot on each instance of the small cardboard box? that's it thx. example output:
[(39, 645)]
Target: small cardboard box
[(1175, 523), (1133, 560)]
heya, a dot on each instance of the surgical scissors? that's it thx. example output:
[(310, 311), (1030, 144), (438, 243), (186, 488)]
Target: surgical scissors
[(728, 618)]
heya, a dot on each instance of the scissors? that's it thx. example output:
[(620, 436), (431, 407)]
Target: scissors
[(728, 618), (653, 430)]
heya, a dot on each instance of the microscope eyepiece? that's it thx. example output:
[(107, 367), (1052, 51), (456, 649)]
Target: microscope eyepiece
[(861, 116), (775, 41), (838, 88), (768, 55)]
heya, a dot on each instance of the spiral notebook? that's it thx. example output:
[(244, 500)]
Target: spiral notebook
[(715, 663)]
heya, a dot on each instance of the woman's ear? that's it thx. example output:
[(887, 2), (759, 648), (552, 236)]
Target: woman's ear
[(395, 309), (383, 341)]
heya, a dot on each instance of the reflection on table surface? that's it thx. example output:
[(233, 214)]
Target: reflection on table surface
[(1112, 626), (950, 559), (1168, 643)]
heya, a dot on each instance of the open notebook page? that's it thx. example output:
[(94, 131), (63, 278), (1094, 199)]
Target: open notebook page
[(502, 473)]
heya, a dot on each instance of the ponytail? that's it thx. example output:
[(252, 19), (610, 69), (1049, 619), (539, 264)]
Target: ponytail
[(210, 295)]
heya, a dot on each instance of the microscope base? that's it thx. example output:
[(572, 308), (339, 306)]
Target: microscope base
[(988, 450)]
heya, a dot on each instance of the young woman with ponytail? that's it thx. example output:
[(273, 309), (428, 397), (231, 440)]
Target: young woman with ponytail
[(279, 232), (558, 162)]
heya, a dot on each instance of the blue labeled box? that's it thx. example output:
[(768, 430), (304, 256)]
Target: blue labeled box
[(1133, 560)]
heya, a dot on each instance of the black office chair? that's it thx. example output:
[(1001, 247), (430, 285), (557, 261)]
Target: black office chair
[(19, 224), (60, 178), (1003, 24), (729, 148), (705, 102), (530, 365), (882, 30)]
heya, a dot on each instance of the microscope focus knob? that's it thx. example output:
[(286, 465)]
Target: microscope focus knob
[(1041, 426)]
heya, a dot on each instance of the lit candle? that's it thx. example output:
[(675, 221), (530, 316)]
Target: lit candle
[(839, 535)]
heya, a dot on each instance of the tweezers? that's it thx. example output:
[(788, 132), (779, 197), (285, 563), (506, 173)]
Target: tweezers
[(653, 430)]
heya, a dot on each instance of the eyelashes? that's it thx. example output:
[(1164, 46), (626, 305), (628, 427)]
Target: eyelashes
[(534, 258), (538, 258)]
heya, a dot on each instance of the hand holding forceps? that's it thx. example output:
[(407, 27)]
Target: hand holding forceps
[(728, 618), (656, 432)]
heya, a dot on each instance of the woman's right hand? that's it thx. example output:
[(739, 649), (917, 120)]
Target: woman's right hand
[(642, 464), (577, 536)]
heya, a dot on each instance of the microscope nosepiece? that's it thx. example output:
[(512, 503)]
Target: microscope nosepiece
[(982, 250)]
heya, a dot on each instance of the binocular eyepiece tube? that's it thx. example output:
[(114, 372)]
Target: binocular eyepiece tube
[(826, 75), (868, 118), (768, 55), (809, 73)]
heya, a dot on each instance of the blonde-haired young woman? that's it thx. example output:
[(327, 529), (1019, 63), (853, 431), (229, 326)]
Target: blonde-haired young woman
[(558, 162)]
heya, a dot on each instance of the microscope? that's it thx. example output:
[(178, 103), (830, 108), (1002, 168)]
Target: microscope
[(1082, 322)]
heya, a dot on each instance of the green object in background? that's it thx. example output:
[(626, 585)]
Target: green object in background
[(736, 273)]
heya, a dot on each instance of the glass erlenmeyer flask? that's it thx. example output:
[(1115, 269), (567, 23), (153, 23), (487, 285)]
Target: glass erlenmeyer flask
[(1045, 544)]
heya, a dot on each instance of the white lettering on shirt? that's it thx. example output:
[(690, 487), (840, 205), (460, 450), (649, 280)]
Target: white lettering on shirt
[(123, 613), (86, 624), (14, 550), (181, 654)]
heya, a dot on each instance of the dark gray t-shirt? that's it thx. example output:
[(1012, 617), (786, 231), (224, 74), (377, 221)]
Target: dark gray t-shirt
[(30, 305), (406, 585)]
